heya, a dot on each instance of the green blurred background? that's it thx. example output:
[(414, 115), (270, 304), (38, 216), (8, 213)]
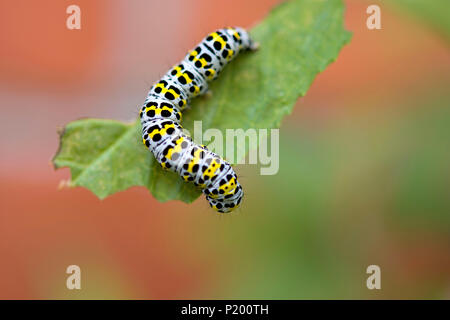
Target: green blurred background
[(364, 163)]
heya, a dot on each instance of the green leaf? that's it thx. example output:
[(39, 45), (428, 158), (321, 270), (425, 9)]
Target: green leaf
[(297, 41), (108, 156)]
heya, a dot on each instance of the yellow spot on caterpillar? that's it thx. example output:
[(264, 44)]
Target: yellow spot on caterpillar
[(219, 39), (180, 74), (162, 131), (230, 54), (163, 165), (212, 168), (202, 61), (212, 72), (158, 110), (164, 90), (175, 149), (235, 33), (229, 187)]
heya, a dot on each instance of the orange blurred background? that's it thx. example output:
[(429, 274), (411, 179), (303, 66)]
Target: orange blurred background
[(131, 246)]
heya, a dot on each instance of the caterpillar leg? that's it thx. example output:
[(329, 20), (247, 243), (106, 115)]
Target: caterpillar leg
[(254, 46), (208, 94)]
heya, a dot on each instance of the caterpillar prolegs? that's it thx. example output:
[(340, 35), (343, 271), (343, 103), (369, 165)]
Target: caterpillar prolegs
[(161, 115)]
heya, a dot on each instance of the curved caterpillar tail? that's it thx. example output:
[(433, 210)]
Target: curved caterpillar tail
[(161, 116)]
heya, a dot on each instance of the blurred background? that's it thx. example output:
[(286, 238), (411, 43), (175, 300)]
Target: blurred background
[(364, 163)]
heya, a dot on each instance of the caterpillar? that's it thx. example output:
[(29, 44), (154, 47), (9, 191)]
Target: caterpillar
[(161, 115)]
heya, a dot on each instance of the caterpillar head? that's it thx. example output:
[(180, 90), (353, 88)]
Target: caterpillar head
[(245, 41)]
